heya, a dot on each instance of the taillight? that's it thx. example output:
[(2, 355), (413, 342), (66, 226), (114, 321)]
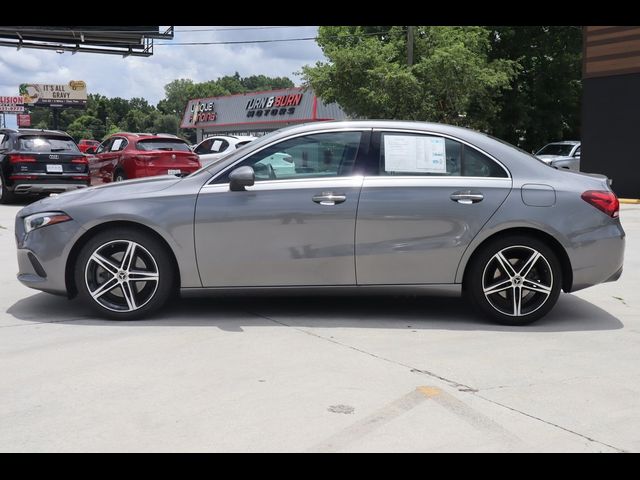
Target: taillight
[(21, 159), (80, 160), (603, 200)]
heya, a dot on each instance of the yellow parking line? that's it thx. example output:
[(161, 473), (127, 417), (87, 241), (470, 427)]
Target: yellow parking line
[(629, 200)]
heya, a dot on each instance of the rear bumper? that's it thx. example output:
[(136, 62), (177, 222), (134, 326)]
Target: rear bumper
[(26, 188)]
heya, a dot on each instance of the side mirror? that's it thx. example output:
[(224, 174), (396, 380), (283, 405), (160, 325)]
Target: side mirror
[(241, 177), (90, 150)]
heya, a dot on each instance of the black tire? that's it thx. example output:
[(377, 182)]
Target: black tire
[(488, 271), (150, 257), (119, 176), (5, 195)]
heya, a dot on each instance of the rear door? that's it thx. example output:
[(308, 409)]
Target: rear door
[(431, 196)]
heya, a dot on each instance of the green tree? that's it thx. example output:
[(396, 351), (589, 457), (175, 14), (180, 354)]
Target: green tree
[(544, 102), (86, 126), (166, 124), (369, 76)]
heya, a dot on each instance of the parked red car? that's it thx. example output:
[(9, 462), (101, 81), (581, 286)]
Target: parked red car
[(85, 144), (123, 156)]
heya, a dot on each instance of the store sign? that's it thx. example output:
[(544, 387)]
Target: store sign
[(24, 120), (202, 112), (275, 105), (12, 104), (73, 93)]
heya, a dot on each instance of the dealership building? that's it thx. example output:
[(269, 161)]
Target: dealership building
[(257, 113)]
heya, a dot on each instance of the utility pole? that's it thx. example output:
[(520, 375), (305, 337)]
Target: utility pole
[(409, 46)]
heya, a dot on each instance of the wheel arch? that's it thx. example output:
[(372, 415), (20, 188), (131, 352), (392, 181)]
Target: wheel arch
[(554, 244), (72, 289)]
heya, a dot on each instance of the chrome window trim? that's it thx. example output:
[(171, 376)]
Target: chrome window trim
[(303, 134), (450, 137)]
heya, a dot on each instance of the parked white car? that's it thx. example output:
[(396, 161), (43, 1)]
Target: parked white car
[(561, 154), (212, 149)]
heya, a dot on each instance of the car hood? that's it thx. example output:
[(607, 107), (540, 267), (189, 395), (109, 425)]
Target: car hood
[(119, 190), (548, 158)]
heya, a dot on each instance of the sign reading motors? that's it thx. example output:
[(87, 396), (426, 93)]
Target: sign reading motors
[(275, 105), (12, 104), (72, 94)]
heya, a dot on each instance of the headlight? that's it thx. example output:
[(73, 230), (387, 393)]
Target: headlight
[(38, 220)]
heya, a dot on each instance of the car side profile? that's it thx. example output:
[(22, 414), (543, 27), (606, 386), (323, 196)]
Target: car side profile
[(360, 205), (85, 144), (34, 161), (124, 156), (213, 149), (562, 154)]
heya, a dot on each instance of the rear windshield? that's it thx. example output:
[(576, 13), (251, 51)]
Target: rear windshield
[(556, 149), (163, 144), (40, 143)]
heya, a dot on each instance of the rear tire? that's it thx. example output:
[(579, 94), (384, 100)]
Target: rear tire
[(514, 280), (5, 195), (124, 274)]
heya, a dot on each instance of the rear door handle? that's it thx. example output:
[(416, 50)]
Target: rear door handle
[(329, 198), (467, 197)]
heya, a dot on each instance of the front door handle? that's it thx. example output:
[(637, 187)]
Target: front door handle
[(467, 197), (329, 198)]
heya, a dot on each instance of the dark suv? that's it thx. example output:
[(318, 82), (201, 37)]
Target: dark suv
[(39, 161)]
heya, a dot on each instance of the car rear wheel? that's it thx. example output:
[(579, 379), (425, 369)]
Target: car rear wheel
[(514, 280), (124, 274), (5, 195)]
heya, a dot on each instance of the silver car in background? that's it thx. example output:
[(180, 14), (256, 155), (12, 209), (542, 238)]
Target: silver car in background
[(360, 205), (562, 154)]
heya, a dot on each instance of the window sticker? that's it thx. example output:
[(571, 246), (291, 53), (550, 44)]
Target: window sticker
[(414, 154), (116, 144), (215, 147)]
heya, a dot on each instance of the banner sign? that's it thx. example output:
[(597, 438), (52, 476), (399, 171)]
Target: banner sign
[(24, 120), (12, 104), (42, 94)]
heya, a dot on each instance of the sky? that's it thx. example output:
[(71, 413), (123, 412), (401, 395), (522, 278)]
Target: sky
[(115, 76)]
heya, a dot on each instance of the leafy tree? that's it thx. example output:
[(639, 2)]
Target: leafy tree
[(544, 102), (86, 126), (368, 73)]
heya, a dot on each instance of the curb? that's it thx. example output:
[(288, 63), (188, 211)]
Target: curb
[(634, 201)]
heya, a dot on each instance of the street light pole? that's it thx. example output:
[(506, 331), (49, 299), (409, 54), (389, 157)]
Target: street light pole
[(409, 46)]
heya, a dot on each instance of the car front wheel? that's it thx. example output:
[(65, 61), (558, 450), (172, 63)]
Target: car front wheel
[(514, 280), (124, 274)]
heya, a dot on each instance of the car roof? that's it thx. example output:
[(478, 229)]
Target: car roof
[(232, 137), (33, 131), (565, 142), (144, 136)]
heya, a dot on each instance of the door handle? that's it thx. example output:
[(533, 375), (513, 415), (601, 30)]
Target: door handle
[(467, 197), (329, 198)]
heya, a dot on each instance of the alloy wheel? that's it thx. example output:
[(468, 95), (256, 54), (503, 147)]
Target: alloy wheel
[(517, 280), (121, 276)]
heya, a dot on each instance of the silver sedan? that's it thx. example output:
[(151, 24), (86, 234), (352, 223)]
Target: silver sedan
[(357, 205)]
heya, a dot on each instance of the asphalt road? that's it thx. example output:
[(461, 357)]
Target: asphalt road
[(320, 374)]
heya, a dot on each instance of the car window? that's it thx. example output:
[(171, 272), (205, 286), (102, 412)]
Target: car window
[(4, 141), (118, 144), (104, 146), (43, 143), (431, 155), (242, 144), (169, 144), (559, 149), (204, 147), (577, 152), (310, 156)]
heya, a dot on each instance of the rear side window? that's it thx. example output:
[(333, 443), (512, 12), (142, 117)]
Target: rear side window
[(41, 143), (430, 155), (242, 144), (163, 144)]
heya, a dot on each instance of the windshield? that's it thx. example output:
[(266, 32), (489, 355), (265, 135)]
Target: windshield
[(38, 143), (163, 144), (559, 149)]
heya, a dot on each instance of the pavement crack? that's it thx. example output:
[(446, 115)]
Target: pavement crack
[(547, 422), (448, 381)]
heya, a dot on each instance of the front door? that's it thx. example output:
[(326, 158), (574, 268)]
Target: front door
[(295, 226), (431, 197)]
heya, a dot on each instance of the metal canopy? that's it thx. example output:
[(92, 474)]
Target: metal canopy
[(126, 40)]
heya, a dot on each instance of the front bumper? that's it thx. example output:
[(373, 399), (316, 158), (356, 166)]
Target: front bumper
[(43, 253)]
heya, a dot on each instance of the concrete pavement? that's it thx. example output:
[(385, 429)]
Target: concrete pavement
[(320, 374)]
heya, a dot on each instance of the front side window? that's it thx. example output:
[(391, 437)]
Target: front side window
[(431, 155), (577, 152), (219, 145), (310, 156), (204, 147), (118, 144), (38, 143)]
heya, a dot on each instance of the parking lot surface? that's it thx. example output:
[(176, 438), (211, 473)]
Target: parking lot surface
[(330, 373)]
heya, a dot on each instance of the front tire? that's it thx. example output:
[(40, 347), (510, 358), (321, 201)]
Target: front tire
[(124, 274), (514, 280), (119, 176)]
